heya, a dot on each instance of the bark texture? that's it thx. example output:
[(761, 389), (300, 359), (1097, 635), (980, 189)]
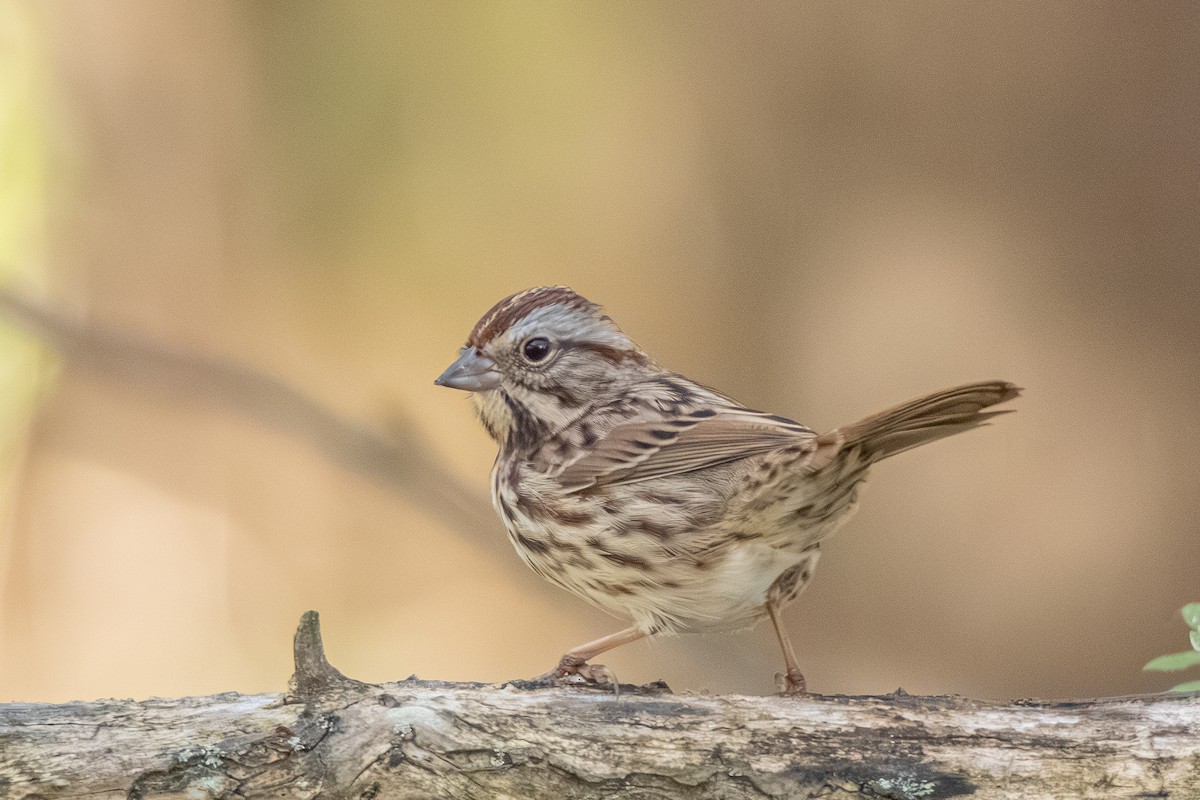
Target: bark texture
[(332, 737)]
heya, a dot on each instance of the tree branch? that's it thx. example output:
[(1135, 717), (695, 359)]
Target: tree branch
[(396, 457), (335, 737)]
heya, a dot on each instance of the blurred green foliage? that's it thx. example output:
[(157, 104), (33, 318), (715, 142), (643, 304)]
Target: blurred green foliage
[(1177, 661), (22, 217)]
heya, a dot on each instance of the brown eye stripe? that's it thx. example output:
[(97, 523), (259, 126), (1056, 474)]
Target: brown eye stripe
[(610, 354), (515, 307)]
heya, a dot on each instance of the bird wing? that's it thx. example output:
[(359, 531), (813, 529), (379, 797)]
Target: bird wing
[(645, 449)]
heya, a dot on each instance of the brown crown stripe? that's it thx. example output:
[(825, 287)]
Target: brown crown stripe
[(515, 307)]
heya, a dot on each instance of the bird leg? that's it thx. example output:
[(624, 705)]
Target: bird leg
[(575, 662), (791, 682)]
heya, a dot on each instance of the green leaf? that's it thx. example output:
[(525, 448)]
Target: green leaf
[(1191, 615), (1173, 662), (1195, 637), (1190, 686)]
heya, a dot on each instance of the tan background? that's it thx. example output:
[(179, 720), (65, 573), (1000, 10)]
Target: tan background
[(820, 208)]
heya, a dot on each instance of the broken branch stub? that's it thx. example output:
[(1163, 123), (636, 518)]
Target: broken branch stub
[(314, 674)]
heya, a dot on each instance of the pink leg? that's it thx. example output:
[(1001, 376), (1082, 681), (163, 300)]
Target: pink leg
[(575, 662), (792, 682)]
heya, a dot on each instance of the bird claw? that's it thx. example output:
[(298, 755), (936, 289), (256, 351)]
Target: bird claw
[(573, 671), (790, 684), (599, 675)]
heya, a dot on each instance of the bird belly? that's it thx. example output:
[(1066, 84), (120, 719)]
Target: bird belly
[(646, 561), (726, 589)]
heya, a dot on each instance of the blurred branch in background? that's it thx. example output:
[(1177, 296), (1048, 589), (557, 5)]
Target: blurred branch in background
[(396, 458)]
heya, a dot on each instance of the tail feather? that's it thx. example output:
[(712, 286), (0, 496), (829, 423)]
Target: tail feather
[(920, 421)]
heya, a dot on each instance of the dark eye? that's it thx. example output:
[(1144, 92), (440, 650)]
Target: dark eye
[(536, 348)]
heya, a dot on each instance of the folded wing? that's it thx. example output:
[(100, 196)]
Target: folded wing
[(639, 451)]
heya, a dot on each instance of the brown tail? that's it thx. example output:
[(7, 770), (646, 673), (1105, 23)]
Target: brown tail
[(926, 419)]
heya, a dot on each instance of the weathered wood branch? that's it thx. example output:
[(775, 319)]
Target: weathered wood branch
[(335, 737)]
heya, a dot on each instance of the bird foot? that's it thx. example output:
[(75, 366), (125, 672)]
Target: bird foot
[(574, 671), (790, 683)]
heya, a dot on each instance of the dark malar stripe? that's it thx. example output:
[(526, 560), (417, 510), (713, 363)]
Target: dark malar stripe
[(526, 431)]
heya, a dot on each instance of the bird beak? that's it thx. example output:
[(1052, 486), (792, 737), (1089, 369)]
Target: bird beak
[(472, 372)]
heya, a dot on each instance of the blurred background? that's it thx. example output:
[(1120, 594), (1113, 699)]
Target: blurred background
[(254, 233)]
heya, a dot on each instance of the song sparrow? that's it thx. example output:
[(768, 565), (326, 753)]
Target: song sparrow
[(656, 498)]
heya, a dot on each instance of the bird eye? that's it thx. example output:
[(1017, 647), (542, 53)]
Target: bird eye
[(536, 348)]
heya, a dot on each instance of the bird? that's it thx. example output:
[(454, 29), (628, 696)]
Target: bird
[(659, 499)]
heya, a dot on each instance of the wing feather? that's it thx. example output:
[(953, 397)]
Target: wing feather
[(638, 451)]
